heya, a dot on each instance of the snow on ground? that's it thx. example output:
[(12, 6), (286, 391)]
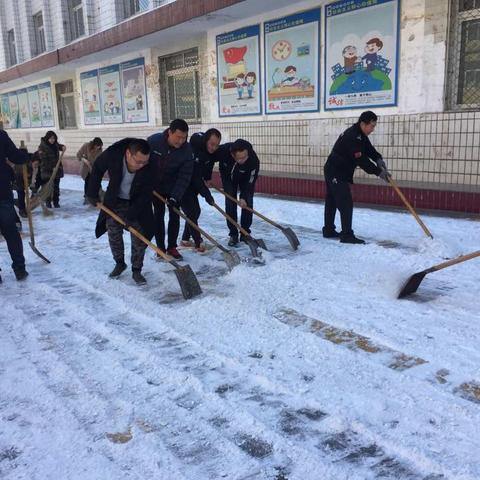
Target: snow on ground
[(307, 367)]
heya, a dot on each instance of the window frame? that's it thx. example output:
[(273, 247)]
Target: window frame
[(39, 33)]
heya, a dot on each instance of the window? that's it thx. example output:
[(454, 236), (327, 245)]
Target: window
[(127, 8), (66, 104), (180, 86), (464, 56), (75, 17), (39, 33), (12, 52)]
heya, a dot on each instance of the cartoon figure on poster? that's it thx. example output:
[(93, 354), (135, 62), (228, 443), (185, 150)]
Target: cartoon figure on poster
[(238, 63), (361, 74), (133, 89), (238, 66), (361, 55), (291, 63)]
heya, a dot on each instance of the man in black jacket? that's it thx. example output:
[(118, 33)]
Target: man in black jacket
[(8, 216), (239, 166), (128, 194), (172, 167), (352, 149), (204, 146)]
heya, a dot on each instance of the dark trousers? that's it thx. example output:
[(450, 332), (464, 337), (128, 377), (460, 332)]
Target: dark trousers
[(173, 224), (21, 200), (85, 185), (115, 237), (339, 197), (231, 207), (192, 210), (8, 218)]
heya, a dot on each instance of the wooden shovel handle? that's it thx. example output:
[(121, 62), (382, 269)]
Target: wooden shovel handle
[(409, 207), (454, 261), (190, 222), (27, 202), (135, 232), (232, 221), (250, 209)]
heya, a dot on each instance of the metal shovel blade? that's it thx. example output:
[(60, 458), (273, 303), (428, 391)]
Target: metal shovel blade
[(260, 243), (292, 237), (253, 244), (38, 253), (188, 282), (232, 259), (412, 284)]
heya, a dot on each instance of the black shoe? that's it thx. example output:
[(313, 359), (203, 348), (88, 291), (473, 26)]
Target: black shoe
[(117, 271), (23, 213), (20, 274), (352, 239), (328, 233), (48, 204), (244, 239), (233, 241), (138, 277), (56, 205)]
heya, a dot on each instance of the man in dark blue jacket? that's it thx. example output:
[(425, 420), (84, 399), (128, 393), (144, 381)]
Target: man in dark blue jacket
[(172, 166), (129, 195), (8, 215), (352, 149), (239, 167), (204, 146)]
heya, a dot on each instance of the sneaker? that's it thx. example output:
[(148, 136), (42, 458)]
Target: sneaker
[(328, 233), (138, 277), (117, 271), (201, 248), (20, 274), (352, 239), (233, 241), (243, 238), (23, 213), (186, 243), (173, 252)]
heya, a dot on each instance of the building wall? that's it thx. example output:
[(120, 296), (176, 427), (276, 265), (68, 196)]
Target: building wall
[(426, 148)]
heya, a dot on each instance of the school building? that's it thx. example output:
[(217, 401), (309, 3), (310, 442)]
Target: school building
[(289, 76)]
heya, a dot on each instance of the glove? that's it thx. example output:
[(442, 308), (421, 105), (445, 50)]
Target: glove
[(172, 202), (209, 199), (384, 174), (93, 201), (127, 225), (381, 163)]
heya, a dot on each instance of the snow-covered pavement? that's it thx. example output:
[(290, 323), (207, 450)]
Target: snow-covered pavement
[(304, 368)]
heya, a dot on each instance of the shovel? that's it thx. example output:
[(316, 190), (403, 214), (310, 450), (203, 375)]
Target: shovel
[(231, 258), (249, 240), (412, 284), (185, 276), (29, 215), (409, 207), (287, 231)]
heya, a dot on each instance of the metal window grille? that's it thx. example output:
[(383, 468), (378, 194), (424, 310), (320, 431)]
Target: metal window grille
[(180, 86), (39, 31), (129, 8), (66, 104), (464, 56), (12, 51), (76, 21)]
